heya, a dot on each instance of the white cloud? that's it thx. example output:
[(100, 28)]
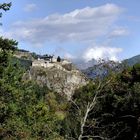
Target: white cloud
[(30, 7), (85, 24), (69, 56), (118, 32), (101, 52)]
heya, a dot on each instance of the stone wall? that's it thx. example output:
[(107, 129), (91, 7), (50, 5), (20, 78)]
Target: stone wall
[(42, 63)]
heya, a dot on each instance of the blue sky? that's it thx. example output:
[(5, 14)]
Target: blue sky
[(75, 29)]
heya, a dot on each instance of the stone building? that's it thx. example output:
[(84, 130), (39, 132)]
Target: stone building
[(48, 61)]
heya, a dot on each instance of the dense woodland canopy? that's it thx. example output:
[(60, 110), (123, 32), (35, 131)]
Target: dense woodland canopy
[(104, 109)]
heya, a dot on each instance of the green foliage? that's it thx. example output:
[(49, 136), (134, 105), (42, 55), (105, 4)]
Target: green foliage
[(31, 111), (27, 110), (24, 63), (7, 47), (107, 108), (116, 111), (4, 7), (34, 55)]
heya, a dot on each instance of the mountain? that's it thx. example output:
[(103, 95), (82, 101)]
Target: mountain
[(63, 77), (82, 65), (94, 69), (102, 69), (132, 61)]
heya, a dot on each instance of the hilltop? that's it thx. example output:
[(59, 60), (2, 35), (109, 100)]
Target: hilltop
[(58, 74)]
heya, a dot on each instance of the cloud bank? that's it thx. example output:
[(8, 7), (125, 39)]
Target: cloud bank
[(103, 52), (79, 25), (87, 24)]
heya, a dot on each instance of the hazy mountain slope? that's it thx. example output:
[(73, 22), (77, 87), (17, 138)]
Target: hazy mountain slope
[(132, 61), (82, 65), (102, 69)]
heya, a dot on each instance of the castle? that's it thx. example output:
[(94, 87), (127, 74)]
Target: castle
[(47, 61)]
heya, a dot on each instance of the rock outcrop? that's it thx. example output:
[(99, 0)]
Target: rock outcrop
[(61, 78)]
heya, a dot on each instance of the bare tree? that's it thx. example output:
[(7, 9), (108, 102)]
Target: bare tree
[(89, 107)]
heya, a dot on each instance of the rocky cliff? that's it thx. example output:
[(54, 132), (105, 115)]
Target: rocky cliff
[(62, 78)]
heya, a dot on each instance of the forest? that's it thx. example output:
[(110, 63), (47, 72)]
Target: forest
[(106, 108)]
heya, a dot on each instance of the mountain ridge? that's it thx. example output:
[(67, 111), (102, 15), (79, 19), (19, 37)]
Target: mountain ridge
[(70, 75)]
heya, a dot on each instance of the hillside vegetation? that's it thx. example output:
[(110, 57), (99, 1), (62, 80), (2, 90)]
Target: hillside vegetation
[(106, 108)]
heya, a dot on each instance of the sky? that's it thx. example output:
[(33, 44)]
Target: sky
[(75, 29)]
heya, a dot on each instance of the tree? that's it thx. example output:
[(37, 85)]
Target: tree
[(93, 93), (5, 7), (24, 114), (7, 47), (58, 59), (105, 109)]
